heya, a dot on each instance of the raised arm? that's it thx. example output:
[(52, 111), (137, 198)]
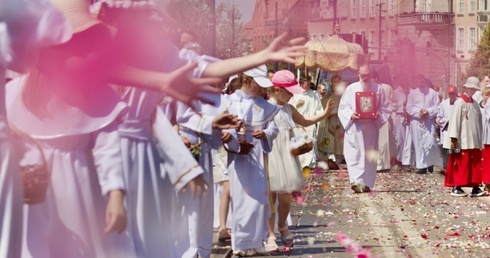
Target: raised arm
[(277, 51), (307, 121)]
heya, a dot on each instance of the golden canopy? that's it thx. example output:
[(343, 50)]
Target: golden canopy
[(332, 54)]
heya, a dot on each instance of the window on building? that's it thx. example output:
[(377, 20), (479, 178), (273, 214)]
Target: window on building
[(423, 6), (460, 6), (372, 39), (353, 13), (472, 8), (460, 43), (392, 7), (362, 13), (483, 6), (372, 10), (383, 7), (472, 38)]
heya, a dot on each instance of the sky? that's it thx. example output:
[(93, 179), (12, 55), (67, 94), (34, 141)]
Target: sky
[(246, 7)]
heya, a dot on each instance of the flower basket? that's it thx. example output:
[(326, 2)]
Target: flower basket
[(306, 147), (245, 147)]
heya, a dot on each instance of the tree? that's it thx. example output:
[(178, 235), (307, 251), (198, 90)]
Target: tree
[(479, 65), (194, 15)]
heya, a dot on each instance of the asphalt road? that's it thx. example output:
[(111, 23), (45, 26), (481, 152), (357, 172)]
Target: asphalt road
[(406, 215)]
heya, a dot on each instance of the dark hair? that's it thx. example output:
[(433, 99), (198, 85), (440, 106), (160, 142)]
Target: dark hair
[(233, 86)]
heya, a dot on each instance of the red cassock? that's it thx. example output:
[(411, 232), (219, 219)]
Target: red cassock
[(485, 164), (464, 168)]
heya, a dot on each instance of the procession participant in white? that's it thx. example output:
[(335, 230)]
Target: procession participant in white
[(247, 173), (401, 124), (193, 234), (361, 135), (464, 138), (486, 138), (307, 104), (445, 111), (386, 141), (25, 27), (285, 174), (422, 108)]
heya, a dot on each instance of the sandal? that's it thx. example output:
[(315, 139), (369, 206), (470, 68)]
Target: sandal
[(271, 245), (223, 235), (288, 240)]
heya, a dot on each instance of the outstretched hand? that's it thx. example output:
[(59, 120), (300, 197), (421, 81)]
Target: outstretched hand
[(280, 51), (178, 85), (330, 106)]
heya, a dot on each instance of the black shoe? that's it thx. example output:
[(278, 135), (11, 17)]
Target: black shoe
[(422, 171), (431, 169), (477, 192), (458, 192)]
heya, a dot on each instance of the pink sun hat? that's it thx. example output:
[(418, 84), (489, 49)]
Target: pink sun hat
[(286, 79)]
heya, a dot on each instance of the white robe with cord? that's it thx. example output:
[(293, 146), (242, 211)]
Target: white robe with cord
[(249, 189), (361, 136), (386, 141), (423, 130)]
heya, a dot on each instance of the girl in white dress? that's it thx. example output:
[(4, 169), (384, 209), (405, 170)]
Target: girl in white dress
[(284, 169)]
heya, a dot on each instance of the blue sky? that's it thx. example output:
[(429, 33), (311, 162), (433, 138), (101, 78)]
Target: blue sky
[(246, 7)]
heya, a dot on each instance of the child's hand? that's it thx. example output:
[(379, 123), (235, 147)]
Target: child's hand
[(277, 51), (198, 186), (115, 215), (258, 134), (225, 137), (330, 106), (226, 121)]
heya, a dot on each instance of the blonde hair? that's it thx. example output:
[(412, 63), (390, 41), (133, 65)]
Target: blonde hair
[(485, 91), (34, 94)]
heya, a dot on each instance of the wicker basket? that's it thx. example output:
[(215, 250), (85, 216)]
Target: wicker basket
[(245, 147), (35, 179), (307, 147)]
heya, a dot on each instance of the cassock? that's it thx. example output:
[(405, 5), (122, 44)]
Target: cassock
[(248, 178), (361, 136), (464, 168), (423, 130), (486, 145), (312, 106)]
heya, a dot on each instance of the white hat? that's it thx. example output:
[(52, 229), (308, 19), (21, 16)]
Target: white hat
[(259, 74), (472, 83), (77, 13)]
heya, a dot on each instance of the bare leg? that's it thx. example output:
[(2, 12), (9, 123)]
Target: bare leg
[(283, 211), (272, 218), (224, 206)]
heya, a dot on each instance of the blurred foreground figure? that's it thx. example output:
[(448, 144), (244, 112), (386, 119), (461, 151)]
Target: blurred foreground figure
[(25, 26)]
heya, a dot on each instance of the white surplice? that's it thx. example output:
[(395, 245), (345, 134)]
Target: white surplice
[(445, 111), (248, 178), (465, 125), (312, 106), (423, 130), (25, 26), (361, 136), (400, 122)]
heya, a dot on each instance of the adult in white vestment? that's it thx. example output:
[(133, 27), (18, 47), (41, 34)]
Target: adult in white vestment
[(307, 104), (445, 111), (422, 107), (386, 143), (361, 135), (247, 173), (401, 125), (25, 26)]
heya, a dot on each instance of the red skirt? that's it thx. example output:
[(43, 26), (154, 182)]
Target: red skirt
[(485, 165), (464, 168)]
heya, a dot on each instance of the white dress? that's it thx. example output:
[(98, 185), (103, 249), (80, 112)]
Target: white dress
[(248, 179), (284, 170), (79, 140), (32, 35)]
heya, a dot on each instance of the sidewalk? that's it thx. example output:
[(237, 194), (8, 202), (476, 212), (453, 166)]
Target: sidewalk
[(407, 215)]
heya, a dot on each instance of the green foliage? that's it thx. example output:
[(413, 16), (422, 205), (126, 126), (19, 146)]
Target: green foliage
[(195, 15), (479, 65)]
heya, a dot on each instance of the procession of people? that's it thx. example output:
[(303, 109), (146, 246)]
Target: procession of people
[(117, 141)]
